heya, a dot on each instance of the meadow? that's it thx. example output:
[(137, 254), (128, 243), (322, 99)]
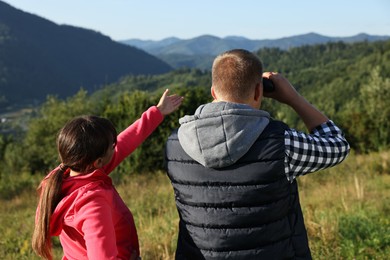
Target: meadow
[(346, 211)]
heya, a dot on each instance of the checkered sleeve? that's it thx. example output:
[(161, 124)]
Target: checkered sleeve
[(324, 147)]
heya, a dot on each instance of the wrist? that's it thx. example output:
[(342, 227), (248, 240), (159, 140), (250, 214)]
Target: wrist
[(297, 102), (159, 108)]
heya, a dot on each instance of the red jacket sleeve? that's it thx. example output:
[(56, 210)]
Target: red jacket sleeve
[(134, 135)]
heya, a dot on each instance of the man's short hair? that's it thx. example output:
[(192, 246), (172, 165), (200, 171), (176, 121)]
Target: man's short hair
[(235, 73)]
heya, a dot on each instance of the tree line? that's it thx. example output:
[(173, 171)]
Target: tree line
[(349, 82)]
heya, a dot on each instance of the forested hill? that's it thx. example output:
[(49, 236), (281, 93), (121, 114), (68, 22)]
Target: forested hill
[(350, 83), (39, 57)]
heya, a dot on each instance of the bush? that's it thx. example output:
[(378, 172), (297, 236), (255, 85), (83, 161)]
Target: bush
[(365, 236)]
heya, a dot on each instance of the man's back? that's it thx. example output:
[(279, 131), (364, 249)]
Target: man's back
[(242, 210), (234, 170)]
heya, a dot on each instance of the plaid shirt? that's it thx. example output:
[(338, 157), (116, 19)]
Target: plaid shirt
[(324, 147)]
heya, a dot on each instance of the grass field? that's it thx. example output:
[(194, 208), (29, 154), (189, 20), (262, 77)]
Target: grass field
[(346, 211)]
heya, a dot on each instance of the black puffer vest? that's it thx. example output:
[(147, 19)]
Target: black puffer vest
[(245, 211)]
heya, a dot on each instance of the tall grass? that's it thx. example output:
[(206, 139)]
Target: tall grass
[(346, 211), (150, 198)]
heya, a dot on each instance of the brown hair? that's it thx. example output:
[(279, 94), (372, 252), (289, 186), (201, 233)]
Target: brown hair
[(80, 142), (235, 74)]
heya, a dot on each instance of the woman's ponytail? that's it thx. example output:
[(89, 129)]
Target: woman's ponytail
[(50, 191)]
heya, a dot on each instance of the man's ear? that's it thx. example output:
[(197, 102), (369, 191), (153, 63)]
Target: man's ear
[(213, 93), (98, 163), (258, 92)]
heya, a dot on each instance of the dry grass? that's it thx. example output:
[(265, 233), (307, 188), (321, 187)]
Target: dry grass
[(346, 212), (354, 188), (150, 198)]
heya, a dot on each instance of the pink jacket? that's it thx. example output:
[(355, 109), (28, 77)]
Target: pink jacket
[(92, 220)]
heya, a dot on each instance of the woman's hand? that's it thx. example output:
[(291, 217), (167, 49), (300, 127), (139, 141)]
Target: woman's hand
[(169, 104)]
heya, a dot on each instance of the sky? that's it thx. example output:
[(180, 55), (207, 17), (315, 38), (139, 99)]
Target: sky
[(253, 19)]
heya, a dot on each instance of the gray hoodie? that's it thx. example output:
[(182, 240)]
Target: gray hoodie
[(220, 133)]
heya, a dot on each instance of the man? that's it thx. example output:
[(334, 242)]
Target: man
[(233, 168)]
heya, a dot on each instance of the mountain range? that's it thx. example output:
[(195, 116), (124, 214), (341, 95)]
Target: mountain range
[(200, 51), (39, 57)]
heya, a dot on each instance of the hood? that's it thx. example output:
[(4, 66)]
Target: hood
[(220, 133)]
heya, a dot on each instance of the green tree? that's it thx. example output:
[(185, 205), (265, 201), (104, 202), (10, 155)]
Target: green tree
[(40, 141), (122, 113), (375, 98), (149, 156)]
